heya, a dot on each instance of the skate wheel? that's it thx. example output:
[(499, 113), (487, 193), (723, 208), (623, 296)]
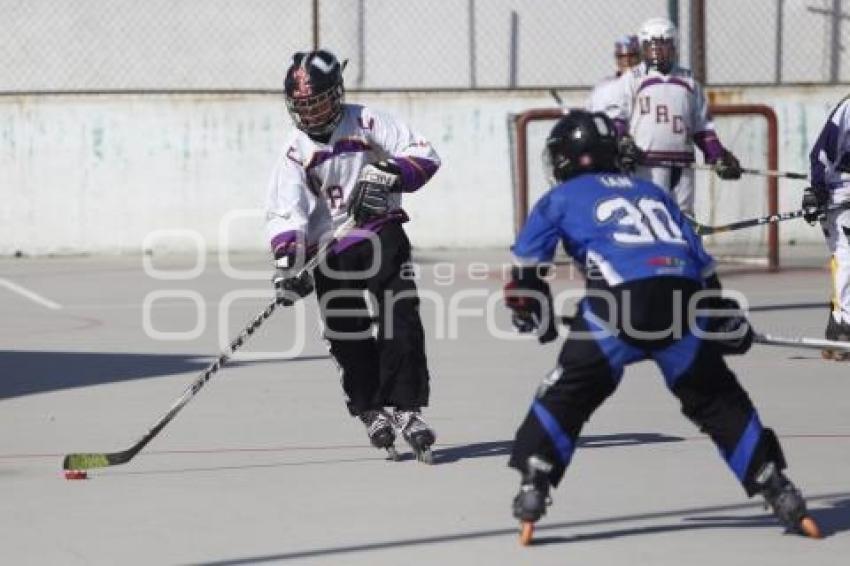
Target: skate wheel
[(835, 355), (810, 528), (426, 457), (526, 532)]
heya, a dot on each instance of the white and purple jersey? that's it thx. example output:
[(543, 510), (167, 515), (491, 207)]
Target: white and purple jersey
[(606, 96), (312, 181), (830, 156), (666, 115)]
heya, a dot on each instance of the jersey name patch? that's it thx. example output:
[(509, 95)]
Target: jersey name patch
[(616, 181)]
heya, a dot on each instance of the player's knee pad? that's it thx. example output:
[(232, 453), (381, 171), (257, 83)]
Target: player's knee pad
[(701, 405), (837, 232), (841, 254), (596, 382), (348, 325), (356, 359)]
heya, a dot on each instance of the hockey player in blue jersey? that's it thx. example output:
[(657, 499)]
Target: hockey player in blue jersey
[(646, 270)]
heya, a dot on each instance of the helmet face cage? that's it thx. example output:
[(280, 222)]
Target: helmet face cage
[(318, 114), (659, 54), (314, 92), (580, 142)]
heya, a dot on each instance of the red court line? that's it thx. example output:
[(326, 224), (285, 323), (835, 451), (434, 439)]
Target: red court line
[(363, 446)]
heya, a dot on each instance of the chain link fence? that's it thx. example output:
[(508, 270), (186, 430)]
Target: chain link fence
[(244, 45), (777, 41)]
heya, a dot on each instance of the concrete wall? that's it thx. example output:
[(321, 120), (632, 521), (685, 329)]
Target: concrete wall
[(101, 173)]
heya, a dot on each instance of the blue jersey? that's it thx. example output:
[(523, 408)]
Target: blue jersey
[(618, 227)]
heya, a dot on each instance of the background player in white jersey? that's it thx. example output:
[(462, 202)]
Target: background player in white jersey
[(606, 94), (320, 180), (662, 113), (830, 176)]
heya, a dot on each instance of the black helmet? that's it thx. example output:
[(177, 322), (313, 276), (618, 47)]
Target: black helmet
[(314, 92), (580, 142)]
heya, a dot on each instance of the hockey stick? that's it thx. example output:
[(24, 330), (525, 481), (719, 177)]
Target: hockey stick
[(703, 230), (558, 100), (85, 461), (802, 342), (771, 340), (706, 167)]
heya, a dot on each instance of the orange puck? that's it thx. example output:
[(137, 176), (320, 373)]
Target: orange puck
[(76, 475)]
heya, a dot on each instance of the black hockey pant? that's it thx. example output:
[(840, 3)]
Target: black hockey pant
[(588, 372), (381, 357)]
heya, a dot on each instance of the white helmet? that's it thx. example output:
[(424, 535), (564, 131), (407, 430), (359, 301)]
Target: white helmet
[(658, 28), (658, 40)]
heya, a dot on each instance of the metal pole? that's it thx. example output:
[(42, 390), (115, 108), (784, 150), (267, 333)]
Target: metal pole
[(315, 25), (361, 43), (780, 10), (673, 12), (473, 82), (514, 48), (521, 121), (835, 56), (698, 40)]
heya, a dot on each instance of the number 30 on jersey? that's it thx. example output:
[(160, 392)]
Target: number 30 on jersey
[(646, 223)]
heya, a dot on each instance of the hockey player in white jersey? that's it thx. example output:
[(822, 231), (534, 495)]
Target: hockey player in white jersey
[(346, 160), (830, 177), (662, 113), (606, 94)]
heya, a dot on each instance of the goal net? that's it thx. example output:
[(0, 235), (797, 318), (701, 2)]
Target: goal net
[(749, 131)]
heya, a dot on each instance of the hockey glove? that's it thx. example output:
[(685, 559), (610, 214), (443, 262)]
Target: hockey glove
[(371, 196), (732, 332), (815, 200), (289, 284), (630, 155), (728, 167), (530, 301)]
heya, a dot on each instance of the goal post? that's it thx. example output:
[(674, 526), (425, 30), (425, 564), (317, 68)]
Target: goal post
[(751, 197)]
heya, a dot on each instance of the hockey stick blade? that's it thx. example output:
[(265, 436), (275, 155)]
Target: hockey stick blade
[(92, 460), (89, 460), (801, 342)]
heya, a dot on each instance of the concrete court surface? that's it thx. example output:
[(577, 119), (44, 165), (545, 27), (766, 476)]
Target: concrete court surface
[(264, 465)]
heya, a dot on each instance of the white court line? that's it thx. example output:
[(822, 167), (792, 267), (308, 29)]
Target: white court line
[(249, 357), (31, 295)]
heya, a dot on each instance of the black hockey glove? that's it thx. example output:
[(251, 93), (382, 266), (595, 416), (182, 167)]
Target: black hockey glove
[(728, 167), (815, 200), (371, 195), (732, 332), (289, 285), (629, 154), (530, 301)]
